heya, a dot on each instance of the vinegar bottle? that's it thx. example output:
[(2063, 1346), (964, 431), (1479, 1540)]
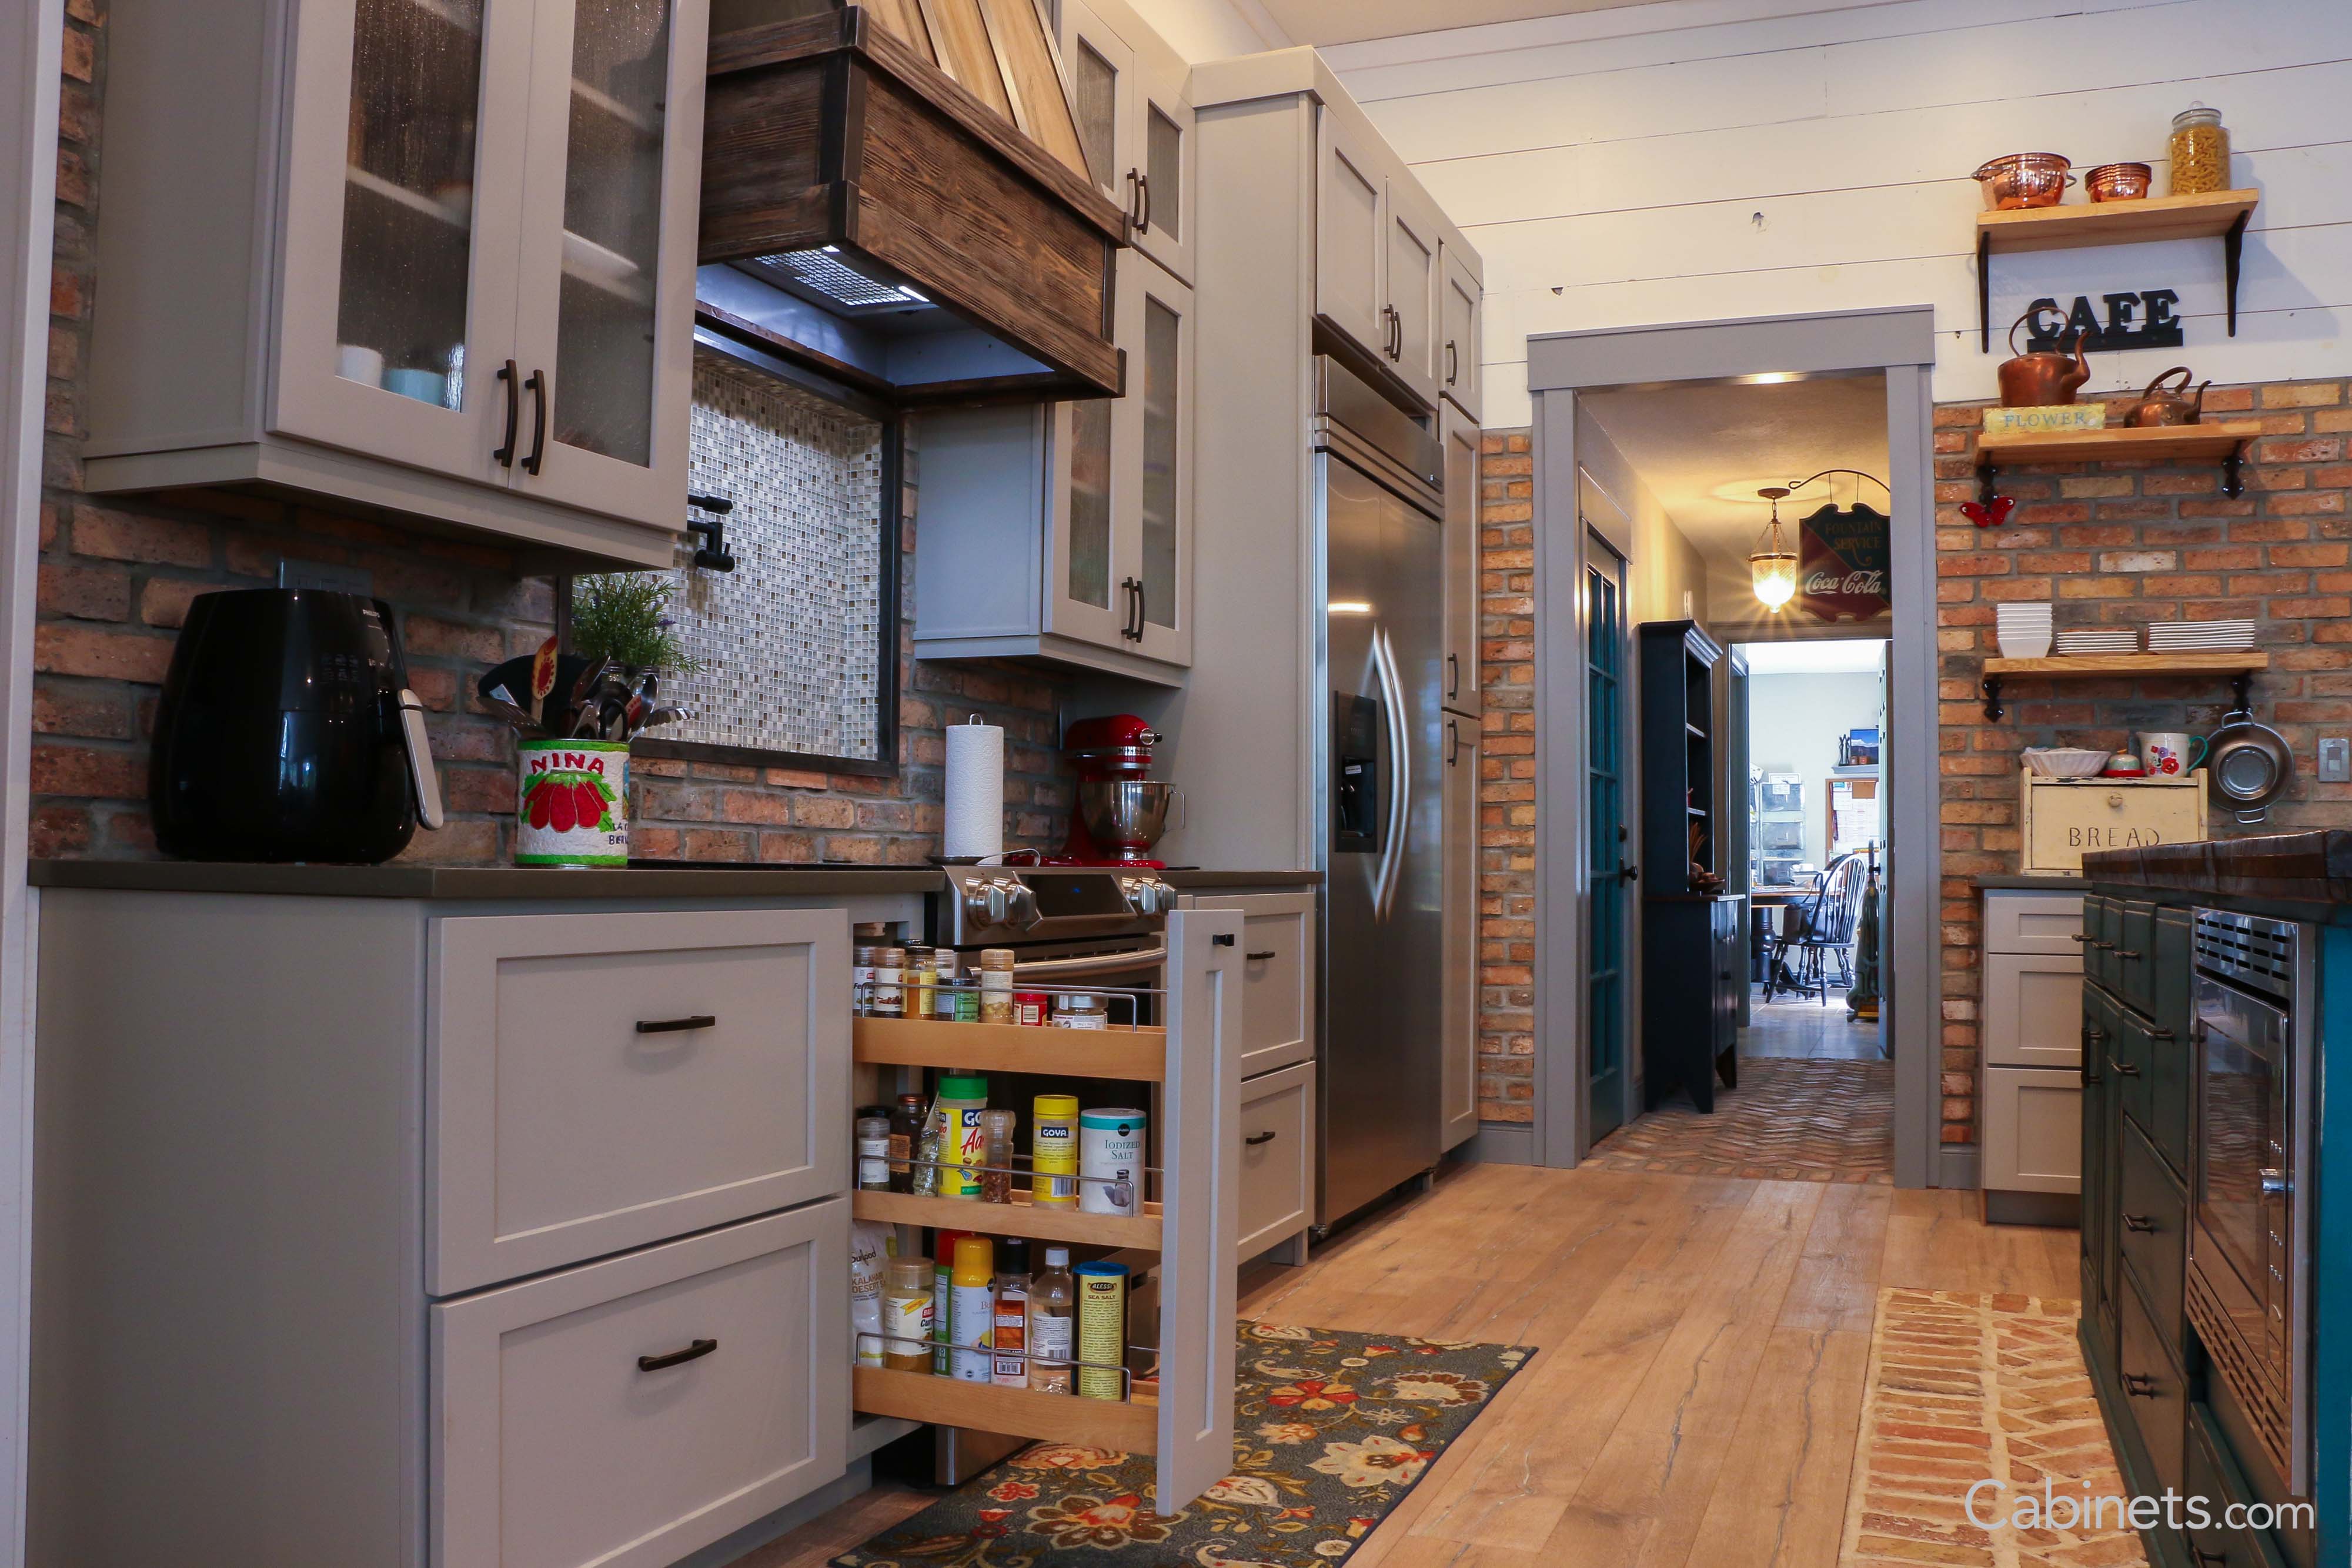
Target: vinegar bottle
[(1052, 1297)]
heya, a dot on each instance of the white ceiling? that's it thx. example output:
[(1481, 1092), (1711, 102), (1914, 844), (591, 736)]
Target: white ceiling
[(1846, 656), (1326, 22), (1704, 450)]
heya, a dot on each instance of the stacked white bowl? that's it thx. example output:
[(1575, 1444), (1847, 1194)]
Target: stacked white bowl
[(2023, 630)]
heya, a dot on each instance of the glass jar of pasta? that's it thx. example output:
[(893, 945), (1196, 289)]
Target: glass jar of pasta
[(2201, 152)]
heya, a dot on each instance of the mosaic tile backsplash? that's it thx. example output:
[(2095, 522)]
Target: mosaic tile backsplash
[(791, 639)]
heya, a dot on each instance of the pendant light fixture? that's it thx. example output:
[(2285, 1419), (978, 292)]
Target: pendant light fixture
[(1772, 569)]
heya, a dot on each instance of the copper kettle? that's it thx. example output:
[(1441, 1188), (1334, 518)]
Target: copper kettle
[(2155, 407), (2040, 379)]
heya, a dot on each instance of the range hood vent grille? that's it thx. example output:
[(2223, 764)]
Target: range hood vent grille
[(822, 272)]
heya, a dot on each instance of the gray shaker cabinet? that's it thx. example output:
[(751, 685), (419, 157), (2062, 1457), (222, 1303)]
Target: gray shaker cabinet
[(435, 257), (2031, 1044), (356, 1215)]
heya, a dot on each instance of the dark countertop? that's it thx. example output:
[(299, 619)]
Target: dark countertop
[(2030, 883), (2311, 867), (540, 883)]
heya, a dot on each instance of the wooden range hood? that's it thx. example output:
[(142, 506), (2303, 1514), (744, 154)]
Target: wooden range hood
[(869, 217)]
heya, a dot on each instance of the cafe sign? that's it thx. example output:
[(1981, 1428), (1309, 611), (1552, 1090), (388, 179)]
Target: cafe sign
[(1842, 564)]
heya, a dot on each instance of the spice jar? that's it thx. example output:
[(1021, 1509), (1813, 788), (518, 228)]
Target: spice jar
[(967, 999), (1081, 1009), (906, 1136), (1030, 1008), (943, 981), (1053, 1150), (917, 990), (861, 978), (873, 1132), (996, 1171), (907, 1315), (890, 983), (996, 985), (2201, 152)]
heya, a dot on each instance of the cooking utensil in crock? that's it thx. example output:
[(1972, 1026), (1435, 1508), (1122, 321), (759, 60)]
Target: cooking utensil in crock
[(2118, 182), (2164, 408), (2021, 180), (2247, 765), (2044, 377)]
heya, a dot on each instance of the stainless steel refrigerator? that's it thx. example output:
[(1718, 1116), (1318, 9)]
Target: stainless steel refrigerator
[(1378, 478)]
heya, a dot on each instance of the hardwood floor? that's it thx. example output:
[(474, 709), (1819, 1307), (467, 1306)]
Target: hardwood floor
[(1704, 1341)]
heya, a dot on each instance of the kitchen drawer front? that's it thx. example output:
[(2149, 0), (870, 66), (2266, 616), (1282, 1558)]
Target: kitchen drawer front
[(2153, 1235), (2032, 1014), (560, 1131), (553, 1445), (1277, 1172), (2133, 924), (2131, 1061), (2214, 1476), (1277, 976), (2026, 922), (2033, 1130), (2153, 1389), (2098, 940)]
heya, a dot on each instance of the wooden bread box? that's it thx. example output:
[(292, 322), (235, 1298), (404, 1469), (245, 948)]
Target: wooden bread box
[(2064, 819), (833, 134)]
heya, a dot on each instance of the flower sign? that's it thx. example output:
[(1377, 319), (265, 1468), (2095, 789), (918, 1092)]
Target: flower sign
[(1842, 564)]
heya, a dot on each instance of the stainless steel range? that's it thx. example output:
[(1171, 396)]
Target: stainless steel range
[(1104, 924), (2249, 1227)]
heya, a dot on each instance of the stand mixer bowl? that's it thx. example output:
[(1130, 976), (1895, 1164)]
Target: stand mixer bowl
[(1127, 814)]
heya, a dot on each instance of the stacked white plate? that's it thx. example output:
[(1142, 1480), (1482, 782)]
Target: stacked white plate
[(2076, 639), (2023, 630), (2199, 636)]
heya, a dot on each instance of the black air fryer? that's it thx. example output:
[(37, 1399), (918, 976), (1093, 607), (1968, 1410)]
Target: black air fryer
[(287, 732)]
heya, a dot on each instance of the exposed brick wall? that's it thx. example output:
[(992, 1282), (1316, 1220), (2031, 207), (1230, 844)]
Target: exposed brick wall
[(2121, 544), (117, 573), (1506, 788)]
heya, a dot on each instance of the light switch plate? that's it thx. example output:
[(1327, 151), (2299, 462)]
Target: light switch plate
[(2335, 759)]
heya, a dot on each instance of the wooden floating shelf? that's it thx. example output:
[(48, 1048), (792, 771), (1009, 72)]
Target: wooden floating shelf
[(2130, 664), (1139, 1054), (1019, 1218), (2216, 214), (2240, 667), (1123, 1427), (2154, 444), (2151, 218)]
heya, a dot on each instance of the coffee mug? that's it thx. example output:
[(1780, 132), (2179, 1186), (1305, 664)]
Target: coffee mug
[(2168, 755)]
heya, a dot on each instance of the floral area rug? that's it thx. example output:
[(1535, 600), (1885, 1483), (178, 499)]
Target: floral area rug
[(1330, 1431)]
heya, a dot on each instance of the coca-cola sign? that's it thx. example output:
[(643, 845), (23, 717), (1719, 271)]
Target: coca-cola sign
[(1841, 563)]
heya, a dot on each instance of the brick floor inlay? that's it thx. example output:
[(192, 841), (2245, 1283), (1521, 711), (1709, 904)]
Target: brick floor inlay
[(1964, 1388), (1788, 1121)]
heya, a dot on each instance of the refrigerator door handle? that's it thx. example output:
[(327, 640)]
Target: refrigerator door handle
[(1399, 773)]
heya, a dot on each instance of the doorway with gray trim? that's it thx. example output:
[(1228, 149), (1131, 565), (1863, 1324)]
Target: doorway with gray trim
[(1896, 348)]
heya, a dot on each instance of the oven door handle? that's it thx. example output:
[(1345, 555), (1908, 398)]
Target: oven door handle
[(1095, 963)]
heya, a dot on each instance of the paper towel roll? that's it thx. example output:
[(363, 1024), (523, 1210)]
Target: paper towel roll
[(975, 791)]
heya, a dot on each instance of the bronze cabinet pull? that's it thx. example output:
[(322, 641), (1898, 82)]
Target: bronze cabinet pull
[(1452, 362), (1260, 957), (2139, 1222), (2122, 1068), (2139, 1385), (1454, 674), (1143, 190), (694, 1352), (675, 1026), (2121, 952), (1265, 1137), (538, 387), (505, 454)]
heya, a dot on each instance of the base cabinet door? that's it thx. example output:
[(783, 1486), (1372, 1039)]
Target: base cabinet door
[(627, 1413), (1277, 976), (1277, 1169), (2225, 1540), (2154, 1391), (2030, 1012), (1458, 989), (2033, 1130)]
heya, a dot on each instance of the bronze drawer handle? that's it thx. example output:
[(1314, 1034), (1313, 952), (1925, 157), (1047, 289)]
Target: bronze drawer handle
[(2139, 1385), (694, 1352), (2123, 952), (2162, 1034), (505, 454), (675, 1026), (1261, 957), (2122, 1068), (1265, 1137), (2139, 1222), (2077, 937)]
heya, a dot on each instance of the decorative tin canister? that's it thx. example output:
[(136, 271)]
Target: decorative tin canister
[(571, 803)]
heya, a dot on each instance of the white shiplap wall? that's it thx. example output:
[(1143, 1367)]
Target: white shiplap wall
[(1729, 162)]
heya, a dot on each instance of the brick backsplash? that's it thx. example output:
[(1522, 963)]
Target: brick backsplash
[(117, 573), (2116, 544)]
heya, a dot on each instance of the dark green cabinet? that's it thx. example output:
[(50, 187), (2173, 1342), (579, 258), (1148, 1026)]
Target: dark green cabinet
[(1694, 963), (2214, 1476)]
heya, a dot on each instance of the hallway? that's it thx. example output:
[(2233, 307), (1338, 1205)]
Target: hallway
[(1699, 1390)]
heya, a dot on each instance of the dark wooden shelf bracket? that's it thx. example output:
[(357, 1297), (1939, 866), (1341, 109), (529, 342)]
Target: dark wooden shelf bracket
[(2241, 692), (1992, 708), (2234, 245), (2234, 471)]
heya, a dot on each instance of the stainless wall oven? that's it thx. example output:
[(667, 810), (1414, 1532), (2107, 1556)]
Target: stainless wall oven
[(2255, 1027)]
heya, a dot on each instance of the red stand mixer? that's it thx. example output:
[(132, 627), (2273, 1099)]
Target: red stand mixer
[(1121, 814)]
